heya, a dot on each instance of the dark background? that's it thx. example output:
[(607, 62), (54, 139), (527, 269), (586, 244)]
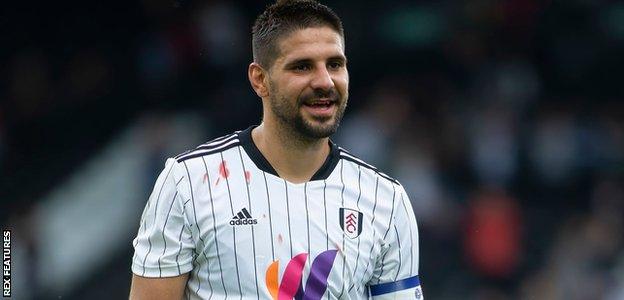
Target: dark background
[(504, 120)]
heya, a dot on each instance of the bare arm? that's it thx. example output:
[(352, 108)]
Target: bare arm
[(168, 288)]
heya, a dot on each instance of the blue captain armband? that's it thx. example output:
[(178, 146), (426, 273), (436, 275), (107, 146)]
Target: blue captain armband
[(408, 288)]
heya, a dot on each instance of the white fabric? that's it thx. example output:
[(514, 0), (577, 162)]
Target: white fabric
[(186, 227)]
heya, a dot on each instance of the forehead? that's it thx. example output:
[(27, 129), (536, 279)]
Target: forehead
[(310, 43)]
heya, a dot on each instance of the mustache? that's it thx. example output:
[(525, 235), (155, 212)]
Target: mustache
[(330, 94)]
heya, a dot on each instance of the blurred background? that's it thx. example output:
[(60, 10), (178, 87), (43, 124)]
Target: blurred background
[(504, 120)]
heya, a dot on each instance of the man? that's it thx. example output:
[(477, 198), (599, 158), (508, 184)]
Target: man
[(278, 211)]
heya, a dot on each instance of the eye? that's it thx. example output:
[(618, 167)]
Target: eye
[(335, 65), (301, 67)]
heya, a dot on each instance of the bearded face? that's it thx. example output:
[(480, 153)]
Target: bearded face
[(308, 83), (295, 113)]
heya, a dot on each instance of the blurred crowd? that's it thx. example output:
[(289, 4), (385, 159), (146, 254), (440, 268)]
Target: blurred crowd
[(504, 120)]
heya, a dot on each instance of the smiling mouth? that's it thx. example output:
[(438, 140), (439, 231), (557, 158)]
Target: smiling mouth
[(320, 103), (321, 109)]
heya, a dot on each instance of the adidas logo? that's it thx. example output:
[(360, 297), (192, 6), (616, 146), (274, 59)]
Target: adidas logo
[(243, 217)]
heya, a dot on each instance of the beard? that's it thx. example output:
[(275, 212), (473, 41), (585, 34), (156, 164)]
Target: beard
[(290, 114)]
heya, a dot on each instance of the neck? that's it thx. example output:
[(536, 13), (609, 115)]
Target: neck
[(295, 158)]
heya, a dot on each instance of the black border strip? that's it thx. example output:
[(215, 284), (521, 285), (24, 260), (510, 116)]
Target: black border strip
[(263, 164), (254, 153)]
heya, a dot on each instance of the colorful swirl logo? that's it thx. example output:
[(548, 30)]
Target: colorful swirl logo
[(291, 287)]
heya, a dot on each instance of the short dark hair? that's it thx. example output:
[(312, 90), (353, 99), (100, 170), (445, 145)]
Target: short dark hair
[(283, 18)]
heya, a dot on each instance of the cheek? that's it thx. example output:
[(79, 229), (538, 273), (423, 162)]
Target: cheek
[(293, 89), (342, 83)]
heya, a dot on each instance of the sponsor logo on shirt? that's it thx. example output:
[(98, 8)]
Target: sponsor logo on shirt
[(243, 217), (291, 286)]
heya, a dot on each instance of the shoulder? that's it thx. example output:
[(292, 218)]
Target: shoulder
[(349, 158), (190, 168), (213, 146)]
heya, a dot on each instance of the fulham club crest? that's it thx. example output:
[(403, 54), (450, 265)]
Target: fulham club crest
[(351, 222)]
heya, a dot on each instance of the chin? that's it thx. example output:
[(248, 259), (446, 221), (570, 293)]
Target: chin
[(318, 131)]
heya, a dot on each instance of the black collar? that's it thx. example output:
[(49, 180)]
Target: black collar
[(263, 164)]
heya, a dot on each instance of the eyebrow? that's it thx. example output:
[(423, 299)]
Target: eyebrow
[(304, 61), (297, 62)]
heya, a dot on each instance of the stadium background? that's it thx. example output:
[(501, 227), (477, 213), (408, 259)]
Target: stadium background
[(503, 119)]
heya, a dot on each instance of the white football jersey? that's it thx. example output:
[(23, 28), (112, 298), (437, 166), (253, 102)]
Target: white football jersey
[(223, 214)]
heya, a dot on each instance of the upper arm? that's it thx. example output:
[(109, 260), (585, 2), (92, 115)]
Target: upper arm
[(396, 272), (168, 288), (164, 244)]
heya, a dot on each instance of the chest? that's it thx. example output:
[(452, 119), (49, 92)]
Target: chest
[(257, 221)]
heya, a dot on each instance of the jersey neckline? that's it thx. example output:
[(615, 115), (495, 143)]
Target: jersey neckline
[(263, 164)]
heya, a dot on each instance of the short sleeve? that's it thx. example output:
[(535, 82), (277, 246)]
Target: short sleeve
[(396, 272), (164, 245)]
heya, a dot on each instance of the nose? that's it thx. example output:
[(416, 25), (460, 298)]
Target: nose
[(322, 79)]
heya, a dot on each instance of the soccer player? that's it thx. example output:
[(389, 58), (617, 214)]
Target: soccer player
[(278, 211)]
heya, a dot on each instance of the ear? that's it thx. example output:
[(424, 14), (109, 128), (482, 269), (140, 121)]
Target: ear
[(257, 77)]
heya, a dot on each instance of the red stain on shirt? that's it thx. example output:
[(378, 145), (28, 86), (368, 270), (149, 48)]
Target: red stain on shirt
[(205, 177), (280, 239), (223, 171), (247, 176)]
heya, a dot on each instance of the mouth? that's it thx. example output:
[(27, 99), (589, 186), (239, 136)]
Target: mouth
[(320, 103), (321, 108)]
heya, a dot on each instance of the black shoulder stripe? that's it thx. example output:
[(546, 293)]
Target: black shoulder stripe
[(219, 138), (213, 141), (370, 168), (210, 145), (183, 153), (355, 160), (213, 145), (346, 153), (207, 152)]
